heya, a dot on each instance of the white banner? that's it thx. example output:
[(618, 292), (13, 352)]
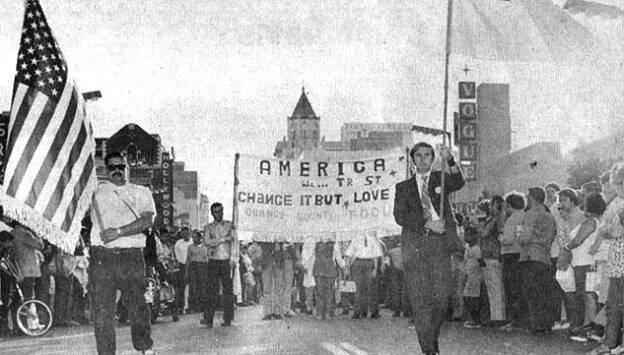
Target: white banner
[(294, 200)]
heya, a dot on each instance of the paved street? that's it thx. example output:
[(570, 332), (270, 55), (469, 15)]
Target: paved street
[(298, 335)]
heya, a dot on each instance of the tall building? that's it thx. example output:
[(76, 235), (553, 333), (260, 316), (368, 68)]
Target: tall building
[(187, 207), (493, 139), (498, 169)]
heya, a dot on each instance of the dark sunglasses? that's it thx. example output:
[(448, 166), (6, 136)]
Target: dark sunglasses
[(113, 167)]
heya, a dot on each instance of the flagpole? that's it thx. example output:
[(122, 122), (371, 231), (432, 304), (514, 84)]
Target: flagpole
[(449, 26), (234, 205)]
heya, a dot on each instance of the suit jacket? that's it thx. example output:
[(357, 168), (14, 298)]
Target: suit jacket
[(408, 211)]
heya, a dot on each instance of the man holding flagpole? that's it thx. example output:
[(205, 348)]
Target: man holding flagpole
[(428, 239), (121, 212)]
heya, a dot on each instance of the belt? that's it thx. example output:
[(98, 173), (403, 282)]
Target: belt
[(116, 250)]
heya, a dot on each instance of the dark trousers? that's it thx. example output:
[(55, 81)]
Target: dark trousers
[(615, 312), (399, 301), (198, 274), (176, 279), (512, 283), (367, 287), (324, 293), (428, 277), (109, 271), (536, 285), (474, 308), (219, 274), (63, 299)]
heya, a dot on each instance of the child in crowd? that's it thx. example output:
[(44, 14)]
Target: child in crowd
[(196, 274), (473, 262)]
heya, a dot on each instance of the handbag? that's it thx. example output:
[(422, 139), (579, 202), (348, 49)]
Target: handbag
[(346, 286), (565, 278)]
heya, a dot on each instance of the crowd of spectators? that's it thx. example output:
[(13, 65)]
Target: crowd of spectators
[(519, 250)]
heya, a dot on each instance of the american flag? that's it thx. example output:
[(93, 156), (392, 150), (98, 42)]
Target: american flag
[(49, 167)]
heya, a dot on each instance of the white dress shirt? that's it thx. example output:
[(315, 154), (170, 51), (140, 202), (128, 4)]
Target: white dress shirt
[(425, 187)]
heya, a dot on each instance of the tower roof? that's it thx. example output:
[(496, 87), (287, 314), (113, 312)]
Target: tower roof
[(303, 108)]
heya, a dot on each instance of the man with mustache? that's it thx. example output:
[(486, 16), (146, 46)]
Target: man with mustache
[(121, 212)]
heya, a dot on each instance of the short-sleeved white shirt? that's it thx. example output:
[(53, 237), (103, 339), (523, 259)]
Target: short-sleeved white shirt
[(115, 213)]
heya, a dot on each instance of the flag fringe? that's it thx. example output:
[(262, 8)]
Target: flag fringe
[(26, 215)]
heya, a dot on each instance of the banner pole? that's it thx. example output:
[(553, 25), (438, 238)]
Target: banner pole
[(234, 204), (449, 26)]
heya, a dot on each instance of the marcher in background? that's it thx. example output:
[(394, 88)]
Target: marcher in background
[(277, 260), (510, 254), (537, 234), (613, 230), (327, 262), (308, 257), (558, 295), (576, 254), (428, 239), (363, 264), (121, 212), (490, 244), (473, 264), (64, 292), (347, 299), (399, 299), (456, 298), (255, 254), (196, 272), (6, 282), (223, 252), (24, 249), (81, 279), (247, 279), (180, 251)]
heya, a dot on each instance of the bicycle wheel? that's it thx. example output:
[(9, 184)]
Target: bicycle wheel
[(34, 318)]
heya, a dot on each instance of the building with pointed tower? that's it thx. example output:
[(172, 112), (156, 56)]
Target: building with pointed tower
[(303, 137), (303, 130)]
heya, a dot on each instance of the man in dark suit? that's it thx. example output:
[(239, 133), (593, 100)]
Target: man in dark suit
[(428, 239)]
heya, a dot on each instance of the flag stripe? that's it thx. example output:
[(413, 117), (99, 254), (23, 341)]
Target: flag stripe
[(63, 158), (76, 173), (78, 189), (38, 104), (16, 103), (31, 146), (53, 152), (65, 175), (25, 105), (44, 145)]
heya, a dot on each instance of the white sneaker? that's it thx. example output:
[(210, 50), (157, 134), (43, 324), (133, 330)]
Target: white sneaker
[(149, 352), (561, 326)]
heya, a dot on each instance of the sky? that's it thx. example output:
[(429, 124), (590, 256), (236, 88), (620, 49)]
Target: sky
[(220, 77)]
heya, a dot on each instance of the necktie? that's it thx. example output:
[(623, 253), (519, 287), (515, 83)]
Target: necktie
[(426, 201)]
